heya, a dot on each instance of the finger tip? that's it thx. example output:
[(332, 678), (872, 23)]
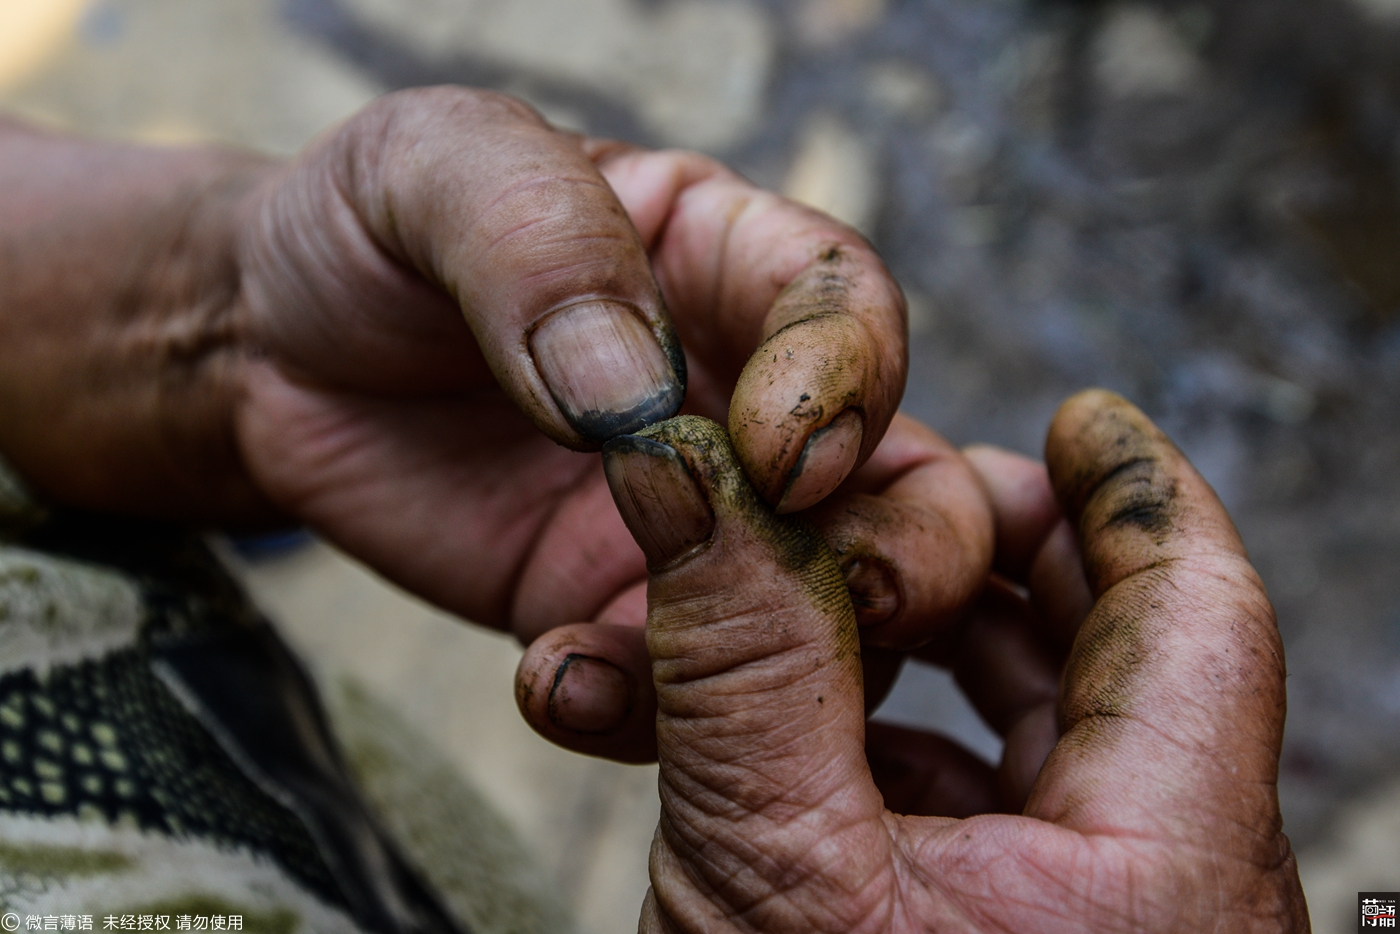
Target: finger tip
[(1090, 429), (587, 688), (828, 457), (1080, 409), (659, 498), (805, 376), (1006, 475), (982, 451), (989, 458), (1094, 397), (590, 695), (1022, 501)]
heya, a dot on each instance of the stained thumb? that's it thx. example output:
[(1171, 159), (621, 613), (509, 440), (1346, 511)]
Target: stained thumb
[(756, 663)]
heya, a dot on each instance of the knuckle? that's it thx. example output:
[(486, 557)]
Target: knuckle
[(444, 99), (494, 105), (417, 113)]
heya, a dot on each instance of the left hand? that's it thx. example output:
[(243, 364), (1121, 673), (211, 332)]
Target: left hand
[(1148, 797)]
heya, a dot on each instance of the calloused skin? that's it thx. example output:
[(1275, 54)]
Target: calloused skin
[(344, 341), (1125, 649)]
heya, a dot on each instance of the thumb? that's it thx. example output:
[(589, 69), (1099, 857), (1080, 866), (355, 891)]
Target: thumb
[(449, 192), (768, 809)]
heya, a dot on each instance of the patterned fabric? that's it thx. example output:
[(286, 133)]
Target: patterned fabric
[(162, 753)]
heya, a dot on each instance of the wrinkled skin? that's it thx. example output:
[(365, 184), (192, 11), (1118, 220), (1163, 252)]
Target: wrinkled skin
[(1157, 653), (346, 341)]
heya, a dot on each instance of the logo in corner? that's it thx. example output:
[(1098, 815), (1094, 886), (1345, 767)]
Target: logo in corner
[(1376, 910)]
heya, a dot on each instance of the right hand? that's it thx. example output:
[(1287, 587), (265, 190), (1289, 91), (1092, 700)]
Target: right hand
[(411, 337), (452, 301), (414, 337), (1156, 809), (447, 304)]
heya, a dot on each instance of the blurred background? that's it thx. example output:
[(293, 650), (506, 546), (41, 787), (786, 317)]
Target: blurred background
[(1196, 204)]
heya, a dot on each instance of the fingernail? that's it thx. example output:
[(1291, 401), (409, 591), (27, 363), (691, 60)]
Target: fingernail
[(605, 369), (658, 497), (590, 695), (874, 591), (826, 460)]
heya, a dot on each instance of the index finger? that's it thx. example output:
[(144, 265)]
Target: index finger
[(790, 307), (1172, 705)]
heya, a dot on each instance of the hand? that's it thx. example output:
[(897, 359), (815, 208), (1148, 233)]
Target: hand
[(1156, 809), (390, 337), (588, 686)]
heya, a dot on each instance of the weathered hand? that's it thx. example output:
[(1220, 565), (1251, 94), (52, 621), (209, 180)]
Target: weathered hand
[(386, 338), (447, 262), (588, 686), (1156, 809)]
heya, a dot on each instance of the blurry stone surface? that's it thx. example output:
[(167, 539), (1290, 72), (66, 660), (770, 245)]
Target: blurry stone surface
[(1362, 856), (175, 71), (833, 171), (455, 837), (1140, 51), (589, 823), (825, 23), (32, 32), (903, 91), (694, 70)]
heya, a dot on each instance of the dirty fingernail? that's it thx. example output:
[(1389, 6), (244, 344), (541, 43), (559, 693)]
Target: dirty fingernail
[(826, 460), (658, 498), (590, 695), (874, 591), (605, 369)]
